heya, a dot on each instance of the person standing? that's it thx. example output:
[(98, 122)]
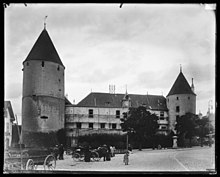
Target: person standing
[(108, 155), (87, 154), (104, 151), (61, 152), (126, 158), (56, 152)]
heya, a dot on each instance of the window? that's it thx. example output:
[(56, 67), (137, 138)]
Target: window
[(164, 127), (27, 64), (78, 125), (161, 114), (117, 114), (102, 125), (177, 98), (42, 64), (189, 98), (91, 113), (113, 126), (177, 117), (162, 118), (58, 68), (177, 109), (91, 125)]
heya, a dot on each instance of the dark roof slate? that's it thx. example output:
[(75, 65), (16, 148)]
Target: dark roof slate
[(95, 99), (181, 86), (44, 49)]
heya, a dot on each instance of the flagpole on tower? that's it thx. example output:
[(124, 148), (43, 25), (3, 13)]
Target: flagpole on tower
[(45, 22)]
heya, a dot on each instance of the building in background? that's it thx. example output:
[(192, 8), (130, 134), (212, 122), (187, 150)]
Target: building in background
[(9, 118), (101, 113)]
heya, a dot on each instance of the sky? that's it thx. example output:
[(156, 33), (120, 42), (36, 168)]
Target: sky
[(138, 46)]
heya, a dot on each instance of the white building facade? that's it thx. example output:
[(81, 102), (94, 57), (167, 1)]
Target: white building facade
[(101, 113), (8, 122)]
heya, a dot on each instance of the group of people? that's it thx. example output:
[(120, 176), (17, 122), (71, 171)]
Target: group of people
[(58, 152), (104, 151)]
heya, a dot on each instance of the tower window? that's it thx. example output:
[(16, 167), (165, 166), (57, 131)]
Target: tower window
[(42, 64), (177, 109), (44, 117), (177, 98)]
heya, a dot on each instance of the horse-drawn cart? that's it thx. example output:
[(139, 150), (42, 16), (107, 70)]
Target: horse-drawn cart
[(29, 159)]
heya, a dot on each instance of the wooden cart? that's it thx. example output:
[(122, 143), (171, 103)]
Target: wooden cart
[(29, 159)]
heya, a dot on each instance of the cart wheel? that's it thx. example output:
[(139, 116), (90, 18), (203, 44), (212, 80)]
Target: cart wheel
[(50, 163), (30, 165), (76, 156), (95, 156)]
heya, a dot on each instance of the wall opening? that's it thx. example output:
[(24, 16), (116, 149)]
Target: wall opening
[(44, 117)]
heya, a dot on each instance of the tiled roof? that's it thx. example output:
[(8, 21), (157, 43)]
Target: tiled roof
[(95, 99), (181, 86), (44, 49), (67, 102)]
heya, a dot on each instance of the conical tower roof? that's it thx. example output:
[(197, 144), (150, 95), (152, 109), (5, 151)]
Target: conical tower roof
[(44, 49), (181, 86)]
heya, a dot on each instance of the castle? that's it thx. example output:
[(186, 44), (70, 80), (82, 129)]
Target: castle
[(45, 110)]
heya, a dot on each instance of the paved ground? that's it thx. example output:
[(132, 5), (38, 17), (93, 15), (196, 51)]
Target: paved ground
[(196, 159), (167, 160)]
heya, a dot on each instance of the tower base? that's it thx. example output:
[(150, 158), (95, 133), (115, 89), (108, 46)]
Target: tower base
[(39, 139)]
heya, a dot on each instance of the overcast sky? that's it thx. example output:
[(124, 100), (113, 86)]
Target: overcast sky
[(138, 45)]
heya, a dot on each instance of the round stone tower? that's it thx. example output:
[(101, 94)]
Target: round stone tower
[(180, 100), (43, 101)]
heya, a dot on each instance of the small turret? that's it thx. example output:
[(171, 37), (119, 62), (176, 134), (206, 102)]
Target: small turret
[(126, 101), (192, 87)]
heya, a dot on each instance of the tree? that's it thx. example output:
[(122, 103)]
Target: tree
[(204, 128), (141, 122), (186, 128)]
